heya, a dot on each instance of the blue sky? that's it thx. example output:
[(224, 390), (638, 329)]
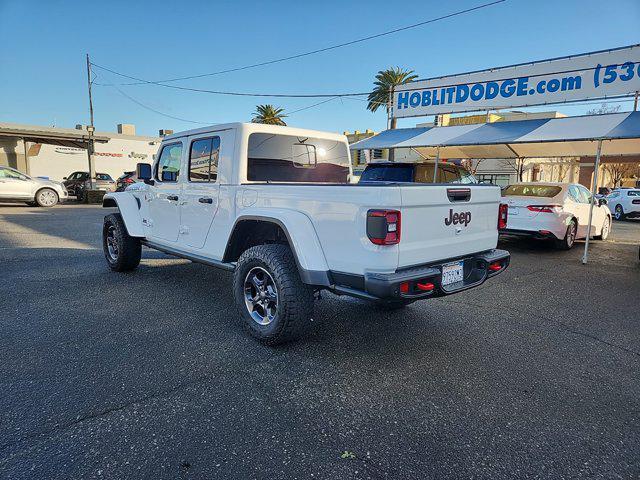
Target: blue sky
[(43, 46)]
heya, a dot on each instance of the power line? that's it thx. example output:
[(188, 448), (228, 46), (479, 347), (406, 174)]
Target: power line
[(147, 107), (312, 52)]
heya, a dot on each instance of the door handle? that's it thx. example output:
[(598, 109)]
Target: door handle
[(172, 198), (205, 200)]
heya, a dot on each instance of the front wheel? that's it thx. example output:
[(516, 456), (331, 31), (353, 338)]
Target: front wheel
[(606, 229), (274, 303), (619, 213), (569, 238), (46, 197), (122, 251)]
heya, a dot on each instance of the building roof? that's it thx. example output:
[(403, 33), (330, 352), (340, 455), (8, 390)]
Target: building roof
[(550, 137), (67, 137)]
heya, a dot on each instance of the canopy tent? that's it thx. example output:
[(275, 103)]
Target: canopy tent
[(611, 135), (553, 137)]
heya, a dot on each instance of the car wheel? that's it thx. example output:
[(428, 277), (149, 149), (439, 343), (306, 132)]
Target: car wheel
[(121, 250), (619, 212), (46, 197), (606, 229), (80, 196), (273, 302), (569, 238)]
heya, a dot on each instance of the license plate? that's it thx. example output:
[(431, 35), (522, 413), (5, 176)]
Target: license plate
[(513, 210), (452, 273)]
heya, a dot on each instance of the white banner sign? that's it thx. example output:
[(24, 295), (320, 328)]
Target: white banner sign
[(593, 75)]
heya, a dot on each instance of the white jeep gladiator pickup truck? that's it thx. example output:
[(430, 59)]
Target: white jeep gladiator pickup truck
[(275, 205)]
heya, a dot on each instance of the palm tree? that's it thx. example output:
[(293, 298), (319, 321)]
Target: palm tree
[(269, 114), (386, 81)]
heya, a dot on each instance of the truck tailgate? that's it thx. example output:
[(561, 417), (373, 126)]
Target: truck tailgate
[(447, 221)]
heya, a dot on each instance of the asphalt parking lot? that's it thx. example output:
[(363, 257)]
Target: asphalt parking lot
[(149, 375)]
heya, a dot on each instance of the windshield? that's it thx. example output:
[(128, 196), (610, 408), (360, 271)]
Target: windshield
[(418, 173), (387, 173), (547, 191), (633, 193)]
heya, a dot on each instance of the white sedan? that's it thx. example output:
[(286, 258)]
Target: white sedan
[(555, 211), (625, 203), (18, 187)]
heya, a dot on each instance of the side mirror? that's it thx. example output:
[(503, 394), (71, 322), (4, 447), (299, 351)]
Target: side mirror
[(64, 178), (144, 173), (602, 201)]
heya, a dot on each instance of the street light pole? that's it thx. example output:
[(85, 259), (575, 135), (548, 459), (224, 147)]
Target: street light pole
[(90, 128)]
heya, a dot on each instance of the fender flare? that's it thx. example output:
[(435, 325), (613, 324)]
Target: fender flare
[(129, 207), (302, 238)]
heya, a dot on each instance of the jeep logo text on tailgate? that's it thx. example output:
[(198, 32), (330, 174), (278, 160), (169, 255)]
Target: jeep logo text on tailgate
[(462, 218)]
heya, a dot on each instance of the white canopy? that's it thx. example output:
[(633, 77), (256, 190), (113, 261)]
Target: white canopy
[(554, 137)]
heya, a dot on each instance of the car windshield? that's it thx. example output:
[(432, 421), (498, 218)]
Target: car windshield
[(547, 191), (103, 176), (387, 173)]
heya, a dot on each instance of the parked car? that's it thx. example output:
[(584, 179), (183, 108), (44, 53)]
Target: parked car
[(555, 211), (129, 178), (625, 203), (16, 186), (415, 172), (274, 205), (78, 182)]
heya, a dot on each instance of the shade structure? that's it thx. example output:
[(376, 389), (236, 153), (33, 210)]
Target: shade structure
[(553, 137)]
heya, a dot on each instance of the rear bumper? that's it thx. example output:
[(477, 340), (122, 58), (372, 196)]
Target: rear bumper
[(379, 286), (539, 234)]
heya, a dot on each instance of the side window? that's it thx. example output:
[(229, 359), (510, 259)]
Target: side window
[(203, 160), (168, 166), (585, 195), (574, 194)]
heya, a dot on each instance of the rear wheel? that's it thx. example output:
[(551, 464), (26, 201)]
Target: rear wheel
[(619, 212), (569, 238), (606, 229), (122, 251), (274, 303), (46, 197)]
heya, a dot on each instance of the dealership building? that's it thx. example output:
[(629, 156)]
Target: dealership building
[(55, 153)]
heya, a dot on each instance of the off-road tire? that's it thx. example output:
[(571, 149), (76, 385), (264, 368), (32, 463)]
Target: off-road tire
[(295, 298), (52, 197), (129, 249), (567, 242), (619, 213)]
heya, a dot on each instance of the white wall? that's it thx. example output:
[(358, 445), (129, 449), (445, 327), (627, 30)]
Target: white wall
[(114, 157)]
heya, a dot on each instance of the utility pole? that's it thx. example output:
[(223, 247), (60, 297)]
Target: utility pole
[(390, 122), (90, 128)]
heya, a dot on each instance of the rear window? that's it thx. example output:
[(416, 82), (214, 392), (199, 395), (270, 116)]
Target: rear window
[(288, 158), (531, 191), (387, 173), (633, 193)]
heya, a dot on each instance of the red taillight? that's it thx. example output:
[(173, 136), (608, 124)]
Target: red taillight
[(383, 226), (495, 267), (129, 180), (502, 216), (543, 208), (404, 287)]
